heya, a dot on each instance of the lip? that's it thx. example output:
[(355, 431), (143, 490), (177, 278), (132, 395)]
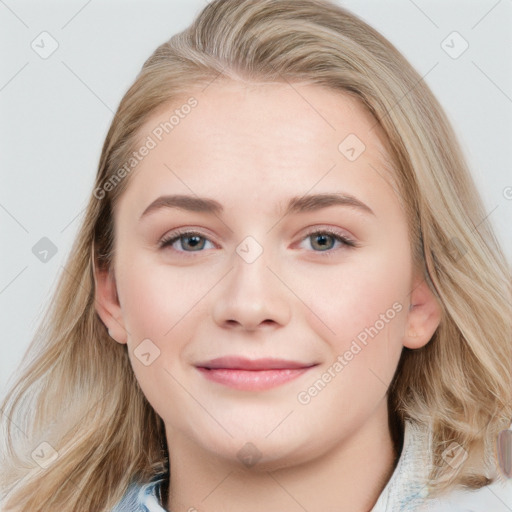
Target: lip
[(252, 374), (242, 363)]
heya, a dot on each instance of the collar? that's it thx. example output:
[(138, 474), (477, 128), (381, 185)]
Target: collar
[(407, 488)]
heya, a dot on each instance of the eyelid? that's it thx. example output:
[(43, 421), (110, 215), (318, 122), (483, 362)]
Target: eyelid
[(345, 239), (331, 231), (169, 238)]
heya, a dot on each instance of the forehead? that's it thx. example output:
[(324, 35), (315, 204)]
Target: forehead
[(279, 137), (279, 114)]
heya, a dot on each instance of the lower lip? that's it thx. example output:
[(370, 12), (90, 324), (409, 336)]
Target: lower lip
[(252, 380)]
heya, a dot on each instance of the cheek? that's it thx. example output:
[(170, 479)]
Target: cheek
[(160, 305), (360, 308), (357, 294), (156, 297), (367, 310), (163, 304)]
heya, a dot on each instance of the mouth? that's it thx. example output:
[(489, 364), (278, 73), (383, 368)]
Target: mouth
[(252, 375)]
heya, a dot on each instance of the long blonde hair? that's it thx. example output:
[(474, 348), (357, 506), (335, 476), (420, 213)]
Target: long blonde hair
[(77, 401)]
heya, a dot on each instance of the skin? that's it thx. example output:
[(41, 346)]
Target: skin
[(252, 147)]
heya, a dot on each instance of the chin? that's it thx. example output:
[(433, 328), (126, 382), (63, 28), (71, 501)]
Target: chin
[(261, 453)]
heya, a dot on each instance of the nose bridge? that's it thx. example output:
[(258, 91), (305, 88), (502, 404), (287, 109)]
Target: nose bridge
[(251, 294)]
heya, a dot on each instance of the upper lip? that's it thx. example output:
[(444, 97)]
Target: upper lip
[(242, 363)]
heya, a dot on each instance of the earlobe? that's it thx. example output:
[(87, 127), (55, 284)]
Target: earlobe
[(107, 303), (423, 317)]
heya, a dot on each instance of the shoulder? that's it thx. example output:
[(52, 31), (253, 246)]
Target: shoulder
[(496, 497), (141, 497), (407, 489)]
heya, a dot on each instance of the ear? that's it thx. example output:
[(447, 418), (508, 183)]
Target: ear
[(107, 303), (423, 317)]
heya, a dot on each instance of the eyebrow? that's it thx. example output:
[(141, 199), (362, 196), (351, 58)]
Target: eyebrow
[(299, 204)]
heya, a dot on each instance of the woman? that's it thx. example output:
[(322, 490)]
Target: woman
[(283, 295)]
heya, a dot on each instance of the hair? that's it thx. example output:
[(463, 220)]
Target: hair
[(76, 389)]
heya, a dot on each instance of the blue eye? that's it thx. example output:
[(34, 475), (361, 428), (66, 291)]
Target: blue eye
[(324, 241), (187, 239)]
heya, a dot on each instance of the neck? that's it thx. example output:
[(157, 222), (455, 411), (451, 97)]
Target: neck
[(350, 477)]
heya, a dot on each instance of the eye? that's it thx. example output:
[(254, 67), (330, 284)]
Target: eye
[(186, 239), (324, 240)]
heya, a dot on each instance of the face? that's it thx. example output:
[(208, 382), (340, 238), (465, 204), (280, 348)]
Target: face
[(322, 281)]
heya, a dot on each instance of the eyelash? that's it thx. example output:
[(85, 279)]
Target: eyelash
[(347, 242)]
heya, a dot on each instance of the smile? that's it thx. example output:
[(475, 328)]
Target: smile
[(252, 375)]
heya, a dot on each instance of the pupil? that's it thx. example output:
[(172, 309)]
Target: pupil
[(323, 239), (195, 241)]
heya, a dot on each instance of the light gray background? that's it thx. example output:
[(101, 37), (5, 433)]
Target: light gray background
[(55, 113)]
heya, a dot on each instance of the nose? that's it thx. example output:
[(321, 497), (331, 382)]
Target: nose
[(251, 297)]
